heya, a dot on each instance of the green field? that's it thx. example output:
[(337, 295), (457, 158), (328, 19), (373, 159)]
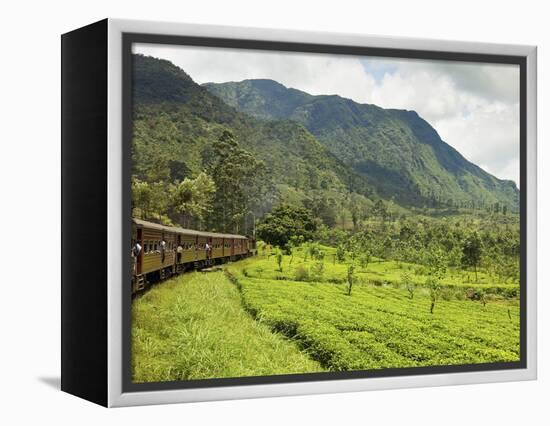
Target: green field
[(300, 267), (254, 319), (380, 326)]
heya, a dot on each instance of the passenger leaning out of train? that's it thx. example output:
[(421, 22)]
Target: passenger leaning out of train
[(207, 248), (179, 251), (136, 250), (162, 250)]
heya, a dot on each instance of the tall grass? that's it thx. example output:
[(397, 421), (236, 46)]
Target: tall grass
[(194, 327)]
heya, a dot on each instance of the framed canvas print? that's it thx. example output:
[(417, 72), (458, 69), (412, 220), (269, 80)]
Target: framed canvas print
[(250, 213)]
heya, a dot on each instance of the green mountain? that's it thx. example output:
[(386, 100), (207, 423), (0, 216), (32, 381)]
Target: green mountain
[(400, 154), (176, 121)]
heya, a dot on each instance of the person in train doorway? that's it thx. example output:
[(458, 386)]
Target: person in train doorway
[(179, 251), (136, 250), (162, 250), (207, 247)]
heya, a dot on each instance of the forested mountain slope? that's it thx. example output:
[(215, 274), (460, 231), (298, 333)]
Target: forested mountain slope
[(399, 153)]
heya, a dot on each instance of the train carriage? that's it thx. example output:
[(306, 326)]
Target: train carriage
[(159, 256), (200, 251), (217, 247), (187, 241)]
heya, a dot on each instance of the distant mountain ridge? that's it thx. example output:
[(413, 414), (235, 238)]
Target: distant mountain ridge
[(399, 153), (310, 143)]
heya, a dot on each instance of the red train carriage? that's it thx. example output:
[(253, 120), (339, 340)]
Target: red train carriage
[(169, 250)]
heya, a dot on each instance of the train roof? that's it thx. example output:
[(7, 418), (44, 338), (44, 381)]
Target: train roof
[(183, 230)]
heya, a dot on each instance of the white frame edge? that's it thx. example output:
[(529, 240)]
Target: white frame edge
[(114, 217)]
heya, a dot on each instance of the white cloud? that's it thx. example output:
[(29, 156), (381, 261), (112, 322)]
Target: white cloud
[(314, 74), (482, 125), (474, 107)]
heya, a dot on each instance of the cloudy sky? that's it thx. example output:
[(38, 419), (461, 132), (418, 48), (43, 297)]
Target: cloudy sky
[(474, 107)]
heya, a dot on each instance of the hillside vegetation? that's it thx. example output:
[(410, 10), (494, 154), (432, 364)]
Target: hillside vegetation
[(328, 154), (398, 152), (177, 124)]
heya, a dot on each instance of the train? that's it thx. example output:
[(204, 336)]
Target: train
[(166, 250)]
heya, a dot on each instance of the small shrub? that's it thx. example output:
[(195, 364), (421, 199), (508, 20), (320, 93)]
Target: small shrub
[(471, 293), (459, 295), (279, 259), (447, 294), (301, 273), (510, 293)]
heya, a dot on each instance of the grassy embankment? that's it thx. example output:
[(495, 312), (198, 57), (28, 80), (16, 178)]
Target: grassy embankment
[(194, 327)]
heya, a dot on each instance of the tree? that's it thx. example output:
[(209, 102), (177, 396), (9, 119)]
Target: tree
[(279, 258), (472, 251), (379, 209), (283, 223), (295, 241), (355, 209), (365, 258), (142, 197), (149, 198), (435, 290), (340, 255), (342, 216), (482, 296), (240, 181), (159, 199), (192, 198), (350, 277), (437, 263), (323, 207), (408, 283)]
